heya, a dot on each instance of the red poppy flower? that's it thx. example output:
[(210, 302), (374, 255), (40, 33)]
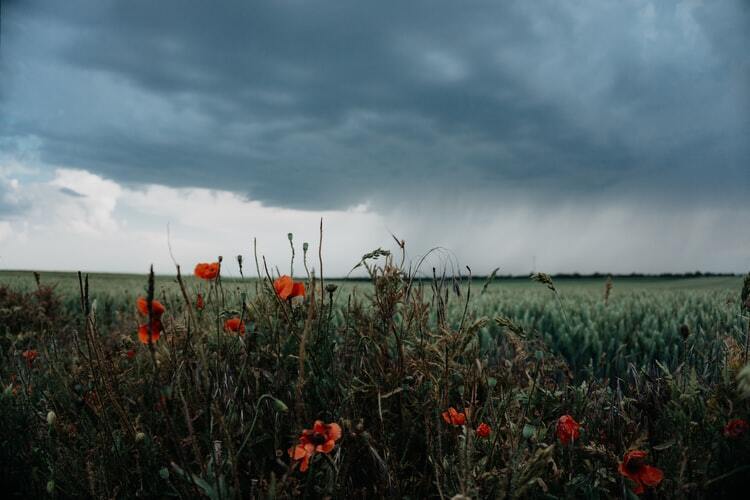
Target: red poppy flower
[(235, 325), (157, 309), (454, 417), (633, 468), (320, 439), (143, 332), (298, 289), (130, 354), (286, 287), (207, 271), (30, 355), (735, 428), (484, 431), (567, 429), (199, 304), (283, 286)]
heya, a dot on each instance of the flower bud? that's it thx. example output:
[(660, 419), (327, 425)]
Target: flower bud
[(684, 331), (331, 287), (51, 418), (280, 406)]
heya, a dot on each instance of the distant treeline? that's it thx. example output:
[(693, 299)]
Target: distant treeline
[(575, 276)]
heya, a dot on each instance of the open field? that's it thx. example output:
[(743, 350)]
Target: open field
[(217, 410), (641, 322)]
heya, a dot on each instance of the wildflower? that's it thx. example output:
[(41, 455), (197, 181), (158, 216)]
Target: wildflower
[(567, 429), (235, 325), (633, 468), (735, 428), (286, 287), (320, 439), (51, 418), (130, 354), (298, 290), (453, 417), (199, 304), (207, 271), (143, 332), (30, 355), (157, 309), (483, 431)]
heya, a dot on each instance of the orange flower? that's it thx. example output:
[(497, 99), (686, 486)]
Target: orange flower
[(157, 309), (735, 428), (235, 325), (207, 271), (30, 355), (286, 287), (633, 468), (143, 332), (320, 439), (454, 417), (567, 429), (199, 304), (484, 431), (283, 286)]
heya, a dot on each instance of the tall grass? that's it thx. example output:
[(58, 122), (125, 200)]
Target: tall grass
[(205, 411)]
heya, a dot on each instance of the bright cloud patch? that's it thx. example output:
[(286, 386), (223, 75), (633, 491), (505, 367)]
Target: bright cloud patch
[(79, 220)]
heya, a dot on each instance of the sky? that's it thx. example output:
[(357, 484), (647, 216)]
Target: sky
[(575, 136)]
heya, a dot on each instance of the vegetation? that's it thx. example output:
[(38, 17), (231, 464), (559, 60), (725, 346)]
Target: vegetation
[(404, 386)]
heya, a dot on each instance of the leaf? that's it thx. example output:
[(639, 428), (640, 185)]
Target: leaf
[(664, 446), (528, 431), (207, 488), (489, 280)]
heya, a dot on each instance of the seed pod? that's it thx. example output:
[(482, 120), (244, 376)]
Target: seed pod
[(684, 331)]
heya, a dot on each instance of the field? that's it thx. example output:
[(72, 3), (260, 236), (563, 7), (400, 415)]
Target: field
[(217, 404)]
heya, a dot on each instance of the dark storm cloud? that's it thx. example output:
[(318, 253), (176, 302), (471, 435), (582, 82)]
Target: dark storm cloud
[(327, 104)]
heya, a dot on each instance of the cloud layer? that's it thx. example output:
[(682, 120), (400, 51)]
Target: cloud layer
[(592, 134), (326, 105)]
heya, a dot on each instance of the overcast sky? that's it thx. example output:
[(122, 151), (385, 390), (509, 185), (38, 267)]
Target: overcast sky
[(586, 135)]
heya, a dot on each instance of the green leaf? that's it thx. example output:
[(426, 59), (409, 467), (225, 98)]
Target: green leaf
[(528, 431)]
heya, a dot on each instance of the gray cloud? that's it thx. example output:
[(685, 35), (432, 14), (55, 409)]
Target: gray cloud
[(329, 104), (71, 192)]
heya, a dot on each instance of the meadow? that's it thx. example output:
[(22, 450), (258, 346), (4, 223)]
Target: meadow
[(404, 384)]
